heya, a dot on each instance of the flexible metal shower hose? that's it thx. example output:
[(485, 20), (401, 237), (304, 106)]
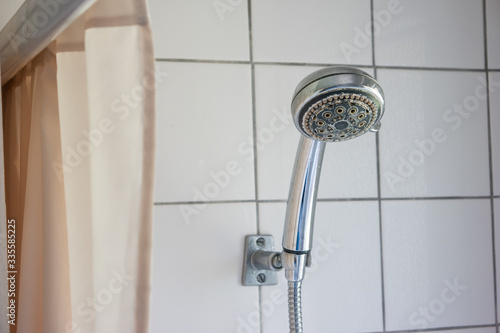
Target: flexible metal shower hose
[(295, 306)]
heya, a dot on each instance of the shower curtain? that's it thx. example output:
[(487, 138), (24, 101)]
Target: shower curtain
[(78, 140)]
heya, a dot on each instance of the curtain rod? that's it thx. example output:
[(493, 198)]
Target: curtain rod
[(32, 28)]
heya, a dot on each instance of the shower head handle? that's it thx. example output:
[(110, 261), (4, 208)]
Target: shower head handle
[(301, 204)]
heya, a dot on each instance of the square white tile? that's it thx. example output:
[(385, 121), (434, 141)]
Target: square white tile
[(429, 33), (493, 29), (204, 113), (495, 126), (197, 29), (438, 263), (433, 140), (196, 271), (278, 138), (312, 31), (342, 288)]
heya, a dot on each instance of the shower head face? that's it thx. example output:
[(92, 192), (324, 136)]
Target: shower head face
[(337, 104)]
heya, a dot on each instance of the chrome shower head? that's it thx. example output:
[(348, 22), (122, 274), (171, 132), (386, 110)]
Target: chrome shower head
[(329, 105), (337, 104)]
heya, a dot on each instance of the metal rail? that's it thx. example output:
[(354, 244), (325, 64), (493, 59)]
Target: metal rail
[(32, 28)]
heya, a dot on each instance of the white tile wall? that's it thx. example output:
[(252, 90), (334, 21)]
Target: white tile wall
[(435, 142), (198, 29), (204, 115), (429, 33), (196, 280), (438, 264), (224, 91), (295, 31)]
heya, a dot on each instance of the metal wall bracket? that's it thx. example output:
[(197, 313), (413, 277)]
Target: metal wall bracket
[(260, 262)]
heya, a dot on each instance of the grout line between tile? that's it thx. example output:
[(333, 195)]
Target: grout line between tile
[(437, 198), (443, 329), (439, 329), (379, 196), (254, 113), (381, 238), (403, 198), (173, 203), (245, 62), (204, 61), (277, 63), (254, 134), (439, 69), (490, 163)]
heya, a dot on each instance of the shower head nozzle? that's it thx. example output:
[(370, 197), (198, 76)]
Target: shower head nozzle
[(337, 104)]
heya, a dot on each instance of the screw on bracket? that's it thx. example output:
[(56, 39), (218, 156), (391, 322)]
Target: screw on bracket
[(260, 261)]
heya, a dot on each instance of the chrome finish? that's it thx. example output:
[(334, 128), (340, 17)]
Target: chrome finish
[(332, 92), (376, 127), (294, 265), (32, 28), (326, 73), (260, 262), (329, 105), (266, 260), (295, 306), (322, 107), (297, 234)]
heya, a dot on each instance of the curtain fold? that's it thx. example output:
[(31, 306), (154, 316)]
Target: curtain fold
[(78, 125)]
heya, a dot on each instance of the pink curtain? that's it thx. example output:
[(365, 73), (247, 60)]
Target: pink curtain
[(78, 132)]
